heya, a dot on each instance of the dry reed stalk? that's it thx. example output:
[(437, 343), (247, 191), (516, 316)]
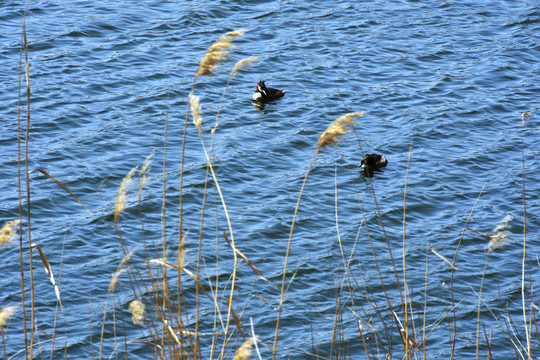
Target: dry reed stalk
[(137, 309), (524, 258), (454, 331), (405, 285), (61, 184), (240, 65), (125, 260), (121, 197), (330, 137), (217, 52), (338, 128), (445, 259), (114, 279), (229, 225), (8, 232), (48, 270)]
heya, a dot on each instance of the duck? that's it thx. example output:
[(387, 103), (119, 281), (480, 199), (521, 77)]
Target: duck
[(373, 161), (267, 94)]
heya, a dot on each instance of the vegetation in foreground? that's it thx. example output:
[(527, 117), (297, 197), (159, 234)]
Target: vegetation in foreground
[(171, 298)]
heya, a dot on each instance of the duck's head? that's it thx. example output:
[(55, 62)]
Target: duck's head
[(262, 88)]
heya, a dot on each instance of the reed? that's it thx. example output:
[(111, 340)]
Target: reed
[(121, 203), (8, 232), (216, 53), (165, 294)]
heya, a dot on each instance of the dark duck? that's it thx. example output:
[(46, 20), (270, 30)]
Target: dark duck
[(267, 94), (373, 161)]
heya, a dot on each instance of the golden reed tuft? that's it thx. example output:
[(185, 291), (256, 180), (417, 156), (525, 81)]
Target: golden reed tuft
[(114, 279), (500, 234), (145, 169), (195, 110), (8, 232), (137, 309), (526, 113), (216, 53), (5, 314), (339, 127), (243, 64), (244, 351), (121, 197)]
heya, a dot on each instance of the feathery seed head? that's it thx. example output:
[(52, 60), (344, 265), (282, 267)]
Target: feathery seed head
[(195, 110), (244, 351), (500, 234), (239, 32), (5, 314), (8, 232), (216, 53), (145, 169), (137, 309), (339, 127), (121, 197), (243, 64), (114, 279), (126, 259), (523, 115)]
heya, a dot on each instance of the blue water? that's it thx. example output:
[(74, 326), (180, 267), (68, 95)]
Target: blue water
[(452, 77)]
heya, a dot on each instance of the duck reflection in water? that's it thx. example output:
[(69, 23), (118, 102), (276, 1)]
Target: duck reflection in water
[(371, 163)]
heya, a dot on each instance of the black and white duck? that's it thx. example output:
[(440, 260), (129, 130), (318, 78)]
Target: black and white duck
[(267, 94)]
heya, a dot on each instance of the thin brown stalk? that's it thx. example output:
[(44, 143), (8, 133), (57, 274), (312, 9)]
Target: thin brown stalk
[(330, 137), (389, 253), (90, 324), (242, 64), (57, 303), (445, 259), (425, 306), (405, 285), (346, 265), (287, 253), (222, 199), (28, 202), (454, 333), (217, 52), (478, 309), (62, 185), (524, 308)]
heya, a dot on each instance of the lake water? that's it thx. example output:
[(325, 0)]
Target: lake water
[(453, 77)]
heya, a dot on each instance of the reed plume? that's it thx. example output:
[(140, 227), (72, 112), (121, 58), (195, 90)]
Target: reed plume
[(500, 234), (121, 197), (5, 314), (8, 232), (145, 169), (523, 115), (195, 110), (243, 64), (338, 128), (114, 279), (137, 309), (216, 53), (244, 351)]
